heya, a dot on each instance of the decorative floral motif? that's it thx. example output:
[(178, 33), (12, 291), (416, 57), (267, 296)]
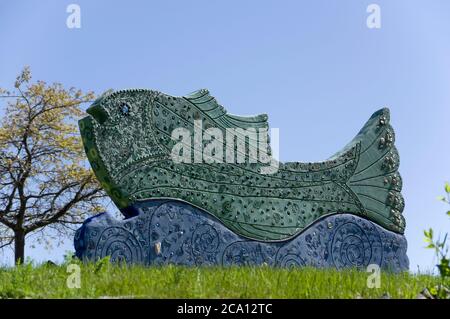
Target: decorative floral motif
[(356, 244), (205, 239)]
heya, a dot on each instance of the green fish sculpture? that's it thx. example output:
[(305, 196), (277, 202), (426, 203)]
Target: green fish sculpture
[(129, 140)]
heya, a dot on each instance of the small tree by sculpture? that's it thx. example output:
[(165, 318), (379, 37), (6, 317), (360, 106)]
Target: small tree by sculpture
[(44, 182)]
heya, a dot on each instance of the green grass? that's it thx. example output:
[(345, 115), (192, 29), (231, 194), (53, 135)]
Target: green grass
[(105, 280)]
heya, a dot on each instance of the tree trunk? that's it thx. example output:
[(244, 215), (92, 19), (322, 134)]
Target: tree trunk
[(19, 247)]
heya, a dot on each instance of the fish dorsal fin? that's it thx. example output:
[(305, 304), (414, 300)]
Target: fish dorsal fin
[(209, 105)]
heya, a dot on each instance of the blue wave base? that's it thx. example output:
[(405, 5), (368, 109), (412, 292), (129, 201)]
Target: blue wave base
[(172, 232)]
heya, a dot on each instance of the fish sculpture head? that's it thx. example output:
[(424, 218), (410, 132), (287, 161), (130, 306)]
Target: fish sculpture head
[(132, 129), (117, 135)]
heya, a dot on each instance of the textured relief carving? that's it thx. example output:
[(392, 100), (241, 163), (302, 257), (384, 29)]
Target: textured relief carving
[(187, 235), (342, 212), (120, 244), (128, 141), (352, 246)]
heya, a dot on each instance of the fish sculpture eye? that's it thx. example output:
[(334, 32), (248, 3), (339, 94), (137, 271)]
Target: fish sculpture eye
[(124, 109)]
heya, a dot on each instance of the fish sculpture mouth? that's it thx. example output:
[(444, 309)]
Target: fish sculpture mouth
[(127, 139), (98, 113)]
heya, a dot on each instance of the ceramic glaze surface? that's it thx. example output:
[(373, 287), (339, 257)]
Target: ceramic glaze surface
[(213, 209)]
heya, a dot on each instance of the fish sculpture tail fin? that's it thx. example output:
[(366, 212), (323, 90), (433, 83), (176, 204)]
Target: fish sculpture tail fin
[(376, 180)]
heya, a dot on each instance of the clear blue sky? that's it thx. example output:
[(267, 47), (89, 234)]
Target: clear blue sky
[(313, 66)]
